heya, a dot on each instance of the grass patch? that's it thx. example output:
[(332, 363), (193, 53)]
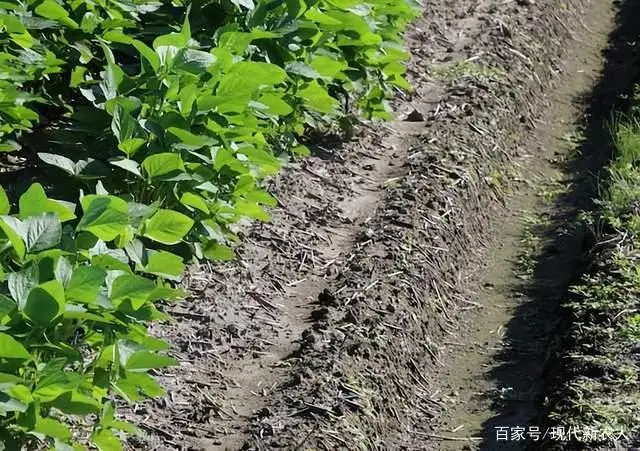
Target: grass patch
[(531, 245), (469, 69), (552, 191), (574, 142), (598, 388)]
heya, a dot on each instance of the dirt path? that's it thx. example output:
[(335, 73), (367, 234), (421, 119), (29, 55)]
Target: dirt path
[(494, 374), (350, 321), (255, 376)]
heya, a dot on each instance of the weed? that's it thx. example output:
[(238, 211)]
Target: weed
[(602, 390), (551, 191), (470, 69), (531, 245), (574, 141)]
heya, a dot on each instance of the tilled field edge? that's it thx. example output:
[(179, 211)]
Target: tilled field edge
[(361, 377)]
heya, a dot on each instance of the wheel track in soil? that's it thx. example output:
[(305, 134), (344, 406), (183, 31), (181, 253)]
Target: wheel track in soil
[(299, 302), (497, 379), (244, 335)]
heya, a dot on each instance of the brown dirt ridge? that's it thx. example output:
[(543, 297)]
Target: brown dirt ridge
[(330, 331)]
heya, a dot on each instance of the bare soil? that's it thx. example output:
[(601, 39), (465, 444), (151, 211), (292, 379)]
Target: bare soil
[(377, 309)]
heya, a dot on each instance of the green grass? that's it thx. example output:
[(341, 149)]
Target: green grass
[(466, 68), (600, 382), (531, 245)]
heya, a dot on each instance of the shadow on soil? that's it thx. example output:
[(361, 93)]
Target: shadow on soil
[(537, 326)]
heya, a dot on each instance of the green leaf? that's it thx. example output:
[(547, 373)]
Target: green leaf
[(264, 160), (315, 15), (299, 68), (20, 283), (10, 226), (84, 169), (106, 440), (62, 446), (145, 360), (177, 40), (145, 51), (131, 146), (34, 202), (9, 146), (165, 264), (89, 22), (167, 294), (45, 302), (73, 311), (53, 380), (12, 349), (226, 104), (21, 393), (136, 252), (219, 252), (52, 428), (191, 201), (108, 420), (275, 105), (135, 383), (127, 164), (251, 210), (301, 151), (134, 289), (63, 271), (296, 8), (105, 216), (139, 212), (193, 61), (328, 67), (163, 165), (148, 54), (9, 404), (50, 9), (123, 125), (113, 74), (188, 96), (318, 99), (238, 41), (190, 141), (7, 306), (84, 51), (5, 206), (244, 3), (85, 284), (77, 76), (76, 403), (246, 77), (111, 261), (41, 232), (167, 226), (59, 161)]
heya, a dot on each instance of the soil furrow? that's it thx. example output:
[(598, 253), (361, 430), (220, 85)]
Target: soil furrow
[(256, 376), (372, 384)]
